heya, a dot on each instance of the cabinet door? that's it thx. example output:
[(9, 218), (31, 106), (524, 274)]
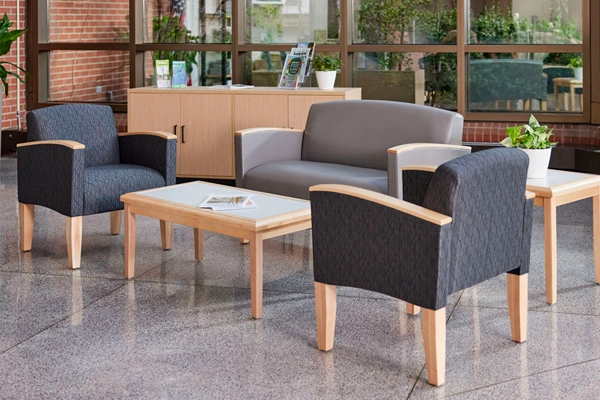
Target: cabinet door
[(260, 110), (206, 141), (299, 105), (153, 112)]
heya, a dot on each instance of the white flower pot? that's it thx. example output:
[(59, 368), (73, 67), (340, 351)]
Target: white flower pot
[(578, 73), (538, 162), (326, 79)]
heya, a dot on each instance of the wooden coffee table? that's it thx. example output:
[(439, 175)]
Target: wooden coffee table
[(558, 188), (274, 216)]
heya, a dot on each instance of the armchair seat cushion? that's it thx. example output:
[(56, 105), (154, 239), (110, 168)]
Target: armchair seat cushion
[(102, 182), (291, 178)]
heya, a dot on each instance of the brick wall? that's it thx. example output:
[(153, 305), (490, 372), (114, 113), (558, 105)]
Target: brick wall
[(16, 89)]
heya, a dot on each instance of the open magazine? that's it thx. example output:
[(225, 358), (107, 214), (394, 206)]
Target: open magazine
[(219, 202)]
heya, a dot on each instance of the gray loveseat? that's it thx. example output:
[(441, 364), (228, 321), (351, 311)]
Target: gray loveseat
[(362, 143)]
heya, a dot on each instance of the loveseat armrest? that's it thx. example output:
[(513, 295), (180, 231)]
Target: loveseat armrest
[(258, 146), (432, 154), (50, 174), (152, 149)]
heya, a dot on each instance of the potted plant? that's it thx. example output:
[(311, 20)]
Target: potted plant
[(6, 40), (326, 68), (533, 139), (577, 64)]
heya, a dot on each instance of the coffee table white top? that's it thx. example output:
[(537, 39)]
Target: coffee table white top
[(193, 193), (558, 182)]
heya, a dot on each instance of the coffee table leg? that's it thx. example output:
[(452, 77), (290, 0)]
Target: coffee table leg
[(256, 275), (129, 243), (198, 244), (166, 234), (550, 248), (596, 223)]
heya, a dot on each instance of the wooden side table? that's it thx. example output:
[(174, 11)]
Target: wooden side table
[(572, 84), (558, 188)]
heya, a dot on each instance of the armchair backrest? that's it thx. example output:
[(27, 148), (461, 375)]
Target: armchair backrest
[(484, 193), (359, 132), (90, 124)]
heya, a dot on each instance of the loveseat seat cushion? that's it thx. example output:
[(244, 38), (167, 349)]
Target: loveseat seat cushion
[(293, 178)]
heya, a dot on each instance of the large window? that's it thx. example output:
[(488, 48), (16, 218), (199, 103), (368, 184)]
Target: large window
[(487, 59)]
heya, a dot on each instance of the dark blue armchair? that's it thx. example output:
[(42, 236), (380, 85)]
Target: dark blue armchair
[(474, 223), (76, 164)]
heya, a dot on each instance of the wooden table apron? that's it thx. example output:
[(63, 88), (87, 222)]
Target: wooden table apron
[(244, 228), (550, 198)]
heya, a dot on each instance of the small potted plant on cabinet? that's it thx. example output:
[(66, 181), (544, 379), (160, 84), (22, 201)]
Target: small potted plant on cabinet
[(533, 139), (326, 68)]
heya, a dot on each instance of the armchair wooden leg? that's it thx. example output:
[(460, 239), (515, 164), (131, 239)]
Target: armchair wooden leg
[(325, 300), (517, 306), (74, 229), (434, 342), (26, 221), (166, 234), (411, 309), (115, 222)]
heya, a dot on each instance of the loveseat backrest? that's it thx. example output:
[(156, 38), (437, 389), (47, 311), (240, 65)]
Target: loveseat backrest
[(359, 132), (93, 125)]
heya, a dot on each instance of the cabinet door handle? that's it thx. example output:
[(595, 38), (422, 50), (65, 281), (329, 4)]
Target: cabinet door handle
[(175, 130), (182, 133)]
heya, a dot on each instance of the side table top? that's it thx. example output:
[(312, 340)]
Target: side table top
[(559, 182)]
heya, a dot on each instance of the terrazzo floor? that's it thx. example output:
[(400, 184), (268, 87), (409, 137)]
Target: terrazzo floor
[(182, 329)]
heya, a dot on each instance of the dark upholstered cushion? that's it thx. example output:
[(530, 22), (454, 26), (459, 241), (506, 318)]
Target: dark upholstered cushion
[(152, 152), (104, 185), (484, 194), (90, 124), (359, 132), (293, 178)]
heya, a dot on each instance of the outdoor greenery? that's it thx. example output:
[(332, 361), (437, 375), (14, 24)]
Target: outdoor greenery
[(6, 40), (529, 136), (168, 29), (326, 63)]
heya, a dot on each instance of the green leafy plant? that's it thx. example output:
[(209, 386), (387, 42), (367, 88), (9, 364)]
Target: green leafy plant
[(326, 63), (6, 40), (529, 136), (576, 62)]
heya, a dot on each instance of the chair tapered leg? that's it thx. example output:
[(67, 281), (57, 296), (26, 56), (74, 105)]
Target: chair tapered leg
[(517, 306), (166, 234), (434, 342), (26, 221), (325, 300), (115, 222), (74, 229), (411, 309)]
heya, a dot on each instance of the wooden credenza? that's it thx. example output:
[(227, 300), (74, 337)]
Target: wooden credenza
[(205, 119)]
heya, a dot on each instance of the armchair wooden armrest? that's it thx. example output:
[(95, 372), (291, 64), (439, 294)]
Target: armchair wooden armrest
[(164, 135), (72, 144), (388, 201)]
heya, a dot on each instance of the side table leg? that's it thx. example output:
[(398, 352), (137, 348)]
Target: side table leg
[(596, 223), (198, 244), (550, 248), (256, 275), (129, 243)]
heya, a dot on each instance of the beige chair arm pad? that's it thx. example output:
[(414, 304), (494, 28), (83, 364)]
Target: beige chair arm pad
[(252, 130), (426, 168), (529, 195), (67, 143), (164, 135), (412, 146), (388, 201)]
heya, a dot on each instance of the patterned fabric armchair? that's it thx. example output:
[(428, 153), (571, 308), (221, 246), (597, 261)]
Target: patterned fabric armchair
[(76, 164), (474, 223)]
